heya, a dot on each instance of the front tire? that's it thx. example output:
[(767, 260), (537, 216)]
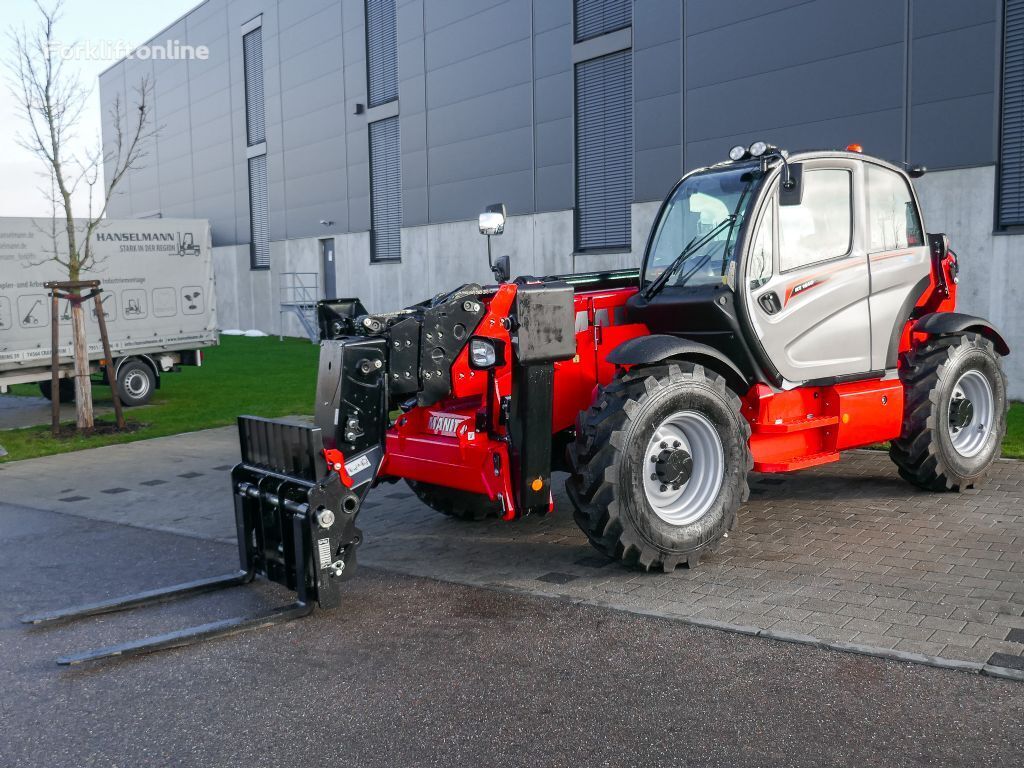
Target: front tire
[(462, 505), (659, 467), (954, 413)]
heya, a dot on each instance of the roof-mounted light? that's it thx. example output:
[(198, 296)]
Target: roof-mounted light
[(757, 149), (855, 148), (738, 152)]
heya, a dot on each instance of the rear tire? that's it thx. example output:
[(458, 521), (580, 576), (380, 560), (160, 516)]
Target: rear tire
[(452, 502), (954, 413), (135, 383), (65, 390), (630, 501)]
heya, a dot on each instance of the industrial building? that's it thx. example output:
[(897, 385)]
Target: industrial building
[(348, 145)]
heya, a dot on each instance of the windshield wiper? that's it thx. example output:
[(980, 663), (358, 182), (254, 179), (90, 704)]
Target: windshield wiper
[(659, 282)]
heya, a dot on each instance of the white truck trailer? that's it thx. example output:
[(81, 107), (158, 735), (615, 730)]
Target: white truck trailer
[(158, 301)]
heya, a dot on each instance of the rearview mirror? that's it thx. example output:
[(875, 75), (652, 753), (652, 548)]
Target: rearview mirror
[(492, 220), (791, 190)]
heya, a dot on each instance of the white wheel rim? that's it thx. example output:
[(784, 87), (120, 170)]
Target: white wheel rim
[(136, 384), (681, 503), (971, 413)]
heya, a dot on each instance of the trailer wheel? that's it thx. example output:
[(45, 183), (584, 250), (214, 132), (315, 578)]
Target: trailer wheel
[(660, 466), (954, 413), (455, 503), (135, 383), (65, 390)]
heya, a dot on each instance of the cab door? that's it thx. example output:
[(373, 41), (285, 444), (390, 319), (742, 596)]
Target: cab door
[(811, 312), (898, 255)]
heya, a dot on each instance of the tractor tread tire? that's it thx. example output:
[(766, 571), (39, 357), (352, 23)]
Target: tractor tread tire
[(462, 505), (598, 452), (918, 453)]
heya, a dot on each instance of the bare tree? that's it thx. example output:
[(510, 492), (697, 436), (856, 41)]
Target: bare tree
[(51, 100)]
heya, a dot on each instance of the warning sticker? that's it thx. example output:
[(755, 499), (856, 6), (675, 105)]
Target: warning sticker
[(357, 465), (324, 547)]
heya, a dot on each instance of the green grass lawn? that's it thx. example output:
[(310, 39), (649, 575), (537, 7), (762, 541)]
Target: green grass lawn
[(254, 376), (1013, 444), (260, 377)]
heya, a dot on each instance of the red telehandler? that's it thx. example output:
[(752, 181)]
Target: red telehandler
[(788, 307)]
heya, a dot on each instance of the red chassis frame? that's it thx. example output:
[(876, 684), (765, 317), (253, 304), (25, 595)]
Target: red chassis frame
[(461, 443)]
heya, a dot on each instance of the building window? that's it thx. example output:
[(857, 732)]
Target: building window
[(259, 230), (604, 152), (252, 60), (381, 52), (599, 17), (1011, 145), (385, 191)]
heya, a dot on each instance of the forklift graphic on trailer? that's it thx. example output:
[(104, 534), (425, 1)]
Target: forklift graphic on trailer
[(187, 245), (30, 316)]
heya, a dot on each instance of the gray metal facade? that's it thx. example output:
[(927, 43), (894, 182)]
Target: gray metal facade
[(486, 100)]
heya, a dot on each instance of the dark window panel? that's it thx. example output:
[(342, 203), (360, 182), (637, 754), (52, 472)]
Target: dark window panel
[(259, 229), (385, 191), (1011, 148), (599, 17), (604, 152), (252, 56), (381, 52)]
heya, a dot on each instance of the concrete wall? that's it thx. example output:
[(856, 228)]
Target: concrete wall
[(435, 258), (961, 203)]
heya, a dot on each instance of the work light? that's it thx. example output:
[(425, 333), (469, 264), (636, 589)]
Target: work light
[(482, 353), (737, 152), (758, 148)]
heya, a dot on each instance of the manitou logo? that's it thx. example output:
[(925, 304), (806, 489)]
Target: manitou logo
[(444, 423)]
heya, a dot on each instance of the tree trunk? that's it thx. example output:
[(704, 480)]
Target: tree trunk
[(83, 386)]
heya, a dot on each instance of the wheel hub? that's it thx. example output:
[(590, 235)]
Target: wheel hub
[(673, 466), (971, 413), (685, 467), (961, 412)]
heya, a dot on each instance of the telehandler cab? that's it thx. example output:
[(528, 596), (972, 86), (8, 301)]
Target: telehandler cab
[(788, 307)]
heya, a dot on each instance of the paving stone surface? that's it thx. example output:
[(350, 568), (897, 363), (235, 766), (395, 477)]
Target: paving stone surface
[(846, 553)]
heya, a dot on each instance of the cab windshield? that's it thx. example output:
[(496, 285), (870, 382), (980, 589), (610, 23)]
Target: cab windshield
[(703, 204)]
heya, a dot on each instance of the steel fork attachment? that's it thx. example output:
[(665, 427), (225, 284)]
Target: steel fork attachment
[(296, 526)]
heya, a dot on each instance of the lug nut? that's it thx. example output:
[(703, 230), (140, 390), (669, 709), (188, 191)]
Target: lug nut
[(663, 488), (654, 476), (664, 444), (676, 444)]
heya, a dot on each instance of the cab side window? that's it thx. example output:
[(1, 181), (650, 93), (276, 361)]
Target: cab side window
[(821, 227), (762, 250), (893, 220)]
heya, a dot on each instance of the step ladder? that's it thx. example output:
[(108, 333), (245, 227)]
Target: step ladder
[(299, 293)]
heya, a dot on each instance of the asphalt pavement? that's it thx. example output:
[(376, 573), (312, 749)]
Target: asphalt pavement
[(413, 672)]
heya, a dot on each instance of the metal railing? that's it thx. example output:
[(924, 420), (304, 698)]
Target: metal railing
[(299, 293)]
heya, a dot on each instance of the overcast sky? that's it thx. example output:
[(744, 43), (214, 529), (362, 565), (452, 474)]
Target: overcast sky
[(103, 24)]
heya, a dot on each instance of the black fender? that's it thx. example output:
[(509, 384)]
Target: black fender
[(658, 348), (953, 323)]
